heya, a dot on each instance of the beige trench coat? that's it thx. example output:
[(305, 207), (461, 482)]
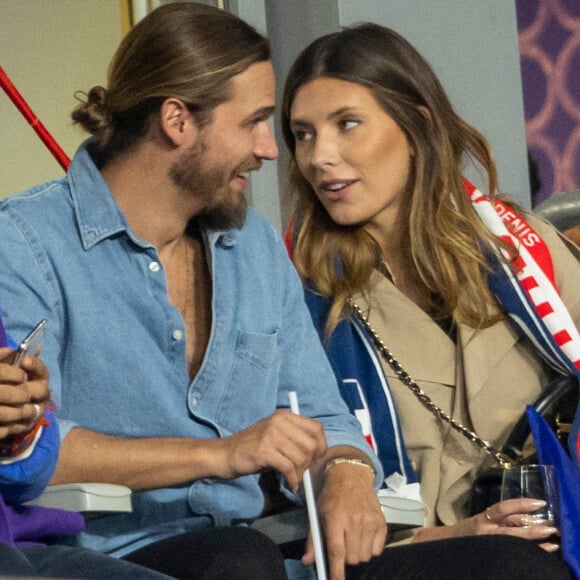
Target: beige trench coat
[(484, 381)]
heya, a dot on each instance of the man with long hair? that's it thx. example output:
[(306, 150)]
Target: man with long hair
[(177, 325)]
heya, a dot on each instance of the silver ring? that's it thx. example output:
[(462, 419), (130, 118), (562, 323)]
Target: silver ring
[(38, 411)]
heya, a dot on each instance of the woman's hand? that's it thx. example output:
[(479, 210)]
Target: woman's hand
[(510, 517), (24, 393)]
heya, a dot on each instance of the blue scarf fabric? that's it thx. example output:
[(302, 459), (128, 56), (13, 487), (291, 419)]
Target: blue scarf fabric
[(550, 452), (363, 385)]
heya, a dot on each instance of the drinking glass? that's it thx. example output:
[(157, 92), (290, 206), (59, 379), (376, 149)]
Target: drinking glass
[(536, 482)]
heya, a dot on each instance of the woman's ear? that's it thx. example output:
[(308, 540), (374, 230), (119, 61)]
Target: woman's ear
[(176, 122)]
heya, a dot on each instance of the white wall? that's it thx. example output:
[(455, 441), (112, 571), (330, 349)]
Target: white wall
[(263, 191), (49, 49), (291, 27)]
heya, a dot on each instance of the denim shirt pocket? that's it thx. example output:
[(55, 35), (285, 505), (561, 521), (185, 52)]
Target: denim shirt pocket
[(251, 391)]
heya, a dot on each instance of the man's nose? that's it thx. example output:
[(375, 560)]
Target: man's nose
[(265, 146)]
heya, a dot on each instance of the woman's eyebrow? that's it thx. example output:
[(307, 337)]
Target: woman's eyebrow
[(298, 122)]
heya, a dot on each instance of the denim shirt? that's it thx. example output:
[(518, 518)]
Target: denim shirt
[(115, 345)]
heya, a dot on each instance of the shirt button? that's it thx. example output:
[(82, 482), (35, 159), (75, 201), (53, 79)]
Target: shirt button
[(193, 402), (177, 334), (154, 266)]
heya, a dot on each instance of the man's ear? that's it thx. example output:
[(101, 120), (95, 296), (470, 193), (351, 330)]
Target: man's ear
[(176, 122)]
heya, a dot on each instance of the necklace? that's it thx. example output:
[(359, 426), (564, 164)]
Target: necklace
[(186, 301), (187, 292)]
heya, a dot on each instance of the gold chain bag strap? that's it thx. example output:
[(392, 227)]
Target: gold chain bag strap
[(504, 460)]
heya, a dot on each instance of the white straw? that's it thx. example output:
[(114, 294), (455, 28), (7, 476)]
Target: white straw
[(311, 505)]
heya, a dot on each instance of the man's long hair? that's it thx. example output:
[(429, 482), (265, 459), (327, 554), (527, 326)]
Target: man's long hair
[(183, 50)]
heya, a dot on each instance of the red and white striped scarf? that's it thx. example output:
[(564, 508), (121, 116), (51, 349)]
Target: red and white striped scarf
[(533, 269)]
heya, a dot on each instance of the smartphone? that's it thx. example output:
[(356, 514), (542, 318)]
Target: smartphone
[(30, 345)]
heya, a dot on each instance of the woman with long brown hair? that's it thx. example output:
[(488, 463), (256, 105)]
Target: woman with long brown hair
[(393, 242)]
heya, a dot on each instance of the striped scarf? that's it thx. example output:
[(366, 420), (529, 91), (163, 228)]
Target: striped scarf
[(532, 278), (528, 292)]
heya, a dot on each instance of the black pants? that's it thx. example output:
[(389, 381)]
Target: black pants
[(236, 553), (242, 553), (68, 562), (472, 558)]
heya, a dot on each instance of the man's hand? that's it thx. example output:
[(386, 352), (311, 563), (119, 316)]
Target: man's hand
[(286, 442), (351, 518), (23, 394)]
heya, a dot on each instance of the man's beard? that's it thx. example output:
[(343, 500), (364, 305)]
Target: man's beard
[(190, 175)]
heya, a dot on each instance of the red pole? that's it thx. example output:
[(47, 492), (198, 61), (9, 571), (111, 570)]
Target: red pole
[(33, 120)]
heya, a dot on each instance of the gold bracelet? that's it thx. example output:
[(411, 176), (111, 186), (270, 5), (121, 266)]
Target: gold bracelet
[(352, 461)]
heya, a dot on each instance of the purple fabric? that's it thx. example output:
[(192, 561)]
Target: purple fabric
[(28, 525)]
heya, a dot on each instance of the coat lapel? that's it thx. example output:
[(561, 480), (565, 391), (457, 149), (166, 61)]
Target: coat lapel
[(483, 352)]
